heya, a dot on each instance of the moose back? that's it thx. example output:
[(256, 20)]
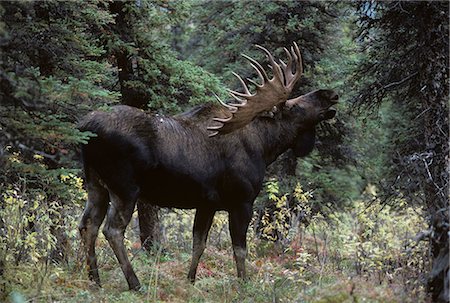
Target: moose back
[(210, 158)]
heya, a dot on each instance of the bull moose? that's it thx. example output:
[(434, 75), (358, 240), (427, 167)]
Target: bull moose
[(210, 158)]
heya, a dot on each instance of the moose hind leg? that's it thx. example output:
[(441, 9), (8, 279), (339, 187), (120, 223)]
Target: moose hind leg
[(92, 218), (118, 217), (202, 224), (239, 219), (148, 224)]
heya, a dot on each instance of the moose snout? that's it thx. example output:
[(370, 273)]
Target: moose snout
[(334, 97), (328, 97)]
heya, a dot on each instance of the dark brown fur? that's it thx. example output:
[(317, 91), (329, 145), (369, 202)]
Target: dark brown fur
[(172, 162)]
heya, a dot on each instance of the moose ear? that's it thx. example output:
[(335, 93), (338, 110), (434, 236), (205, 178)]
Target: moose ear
[(304, 143)]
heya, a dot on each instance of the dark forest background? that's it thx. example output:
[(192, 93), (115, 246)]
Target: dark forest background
[(364, 217)]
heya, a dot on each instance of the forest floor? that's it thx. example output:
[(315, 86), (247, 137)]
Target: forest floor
[(296, 274), (163, 278)]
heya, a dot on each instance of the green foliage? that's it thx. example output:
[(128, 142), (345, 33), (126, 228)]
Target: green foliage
[(28, 217), (18, 242), (371, 238), (372, 245), (414, 89), (220, 31), (378, 240), (397, 34), (156, 78), (331, 188), (182, 86), (281, 213), (32, 222), (275, 223)]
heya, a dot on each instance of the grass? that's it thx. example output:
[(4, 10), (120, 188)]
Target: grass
[(163, 277), (317, 266)]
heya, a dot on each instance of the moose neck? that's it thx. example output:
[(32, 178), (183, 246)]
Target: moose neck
[(276, 135)]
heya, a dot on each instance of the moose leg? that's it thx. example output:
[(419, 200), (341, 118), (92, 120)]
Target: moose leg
[(92, 218), (148, 224), (202, 224), (239, 220), (118, 217)]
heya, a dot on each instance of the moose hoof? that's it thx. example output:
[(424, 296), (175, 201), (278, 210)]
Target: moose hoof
[(94, 285), (191, 279), (135, 287)]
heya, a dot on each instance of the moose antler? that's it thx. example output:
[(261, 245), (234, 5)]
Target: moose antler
[(269, 93)]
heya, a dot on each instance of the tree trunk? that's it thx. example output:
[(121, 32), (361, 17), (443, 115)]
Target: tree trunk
[(438, 280), (127, 70), (436, 196)]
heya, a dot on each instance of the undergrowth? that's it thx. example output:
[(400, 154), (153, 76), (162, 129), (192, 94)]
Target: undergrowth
[(366, 254)]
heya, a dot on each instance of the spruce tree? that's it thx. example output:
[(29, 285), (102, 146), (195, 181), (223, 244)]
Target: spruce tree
[(408, 65)]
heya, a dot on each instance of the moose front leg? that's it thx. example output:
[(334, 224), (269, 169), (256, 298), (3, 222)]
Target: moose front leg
[(239, 219), (202, 224)]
